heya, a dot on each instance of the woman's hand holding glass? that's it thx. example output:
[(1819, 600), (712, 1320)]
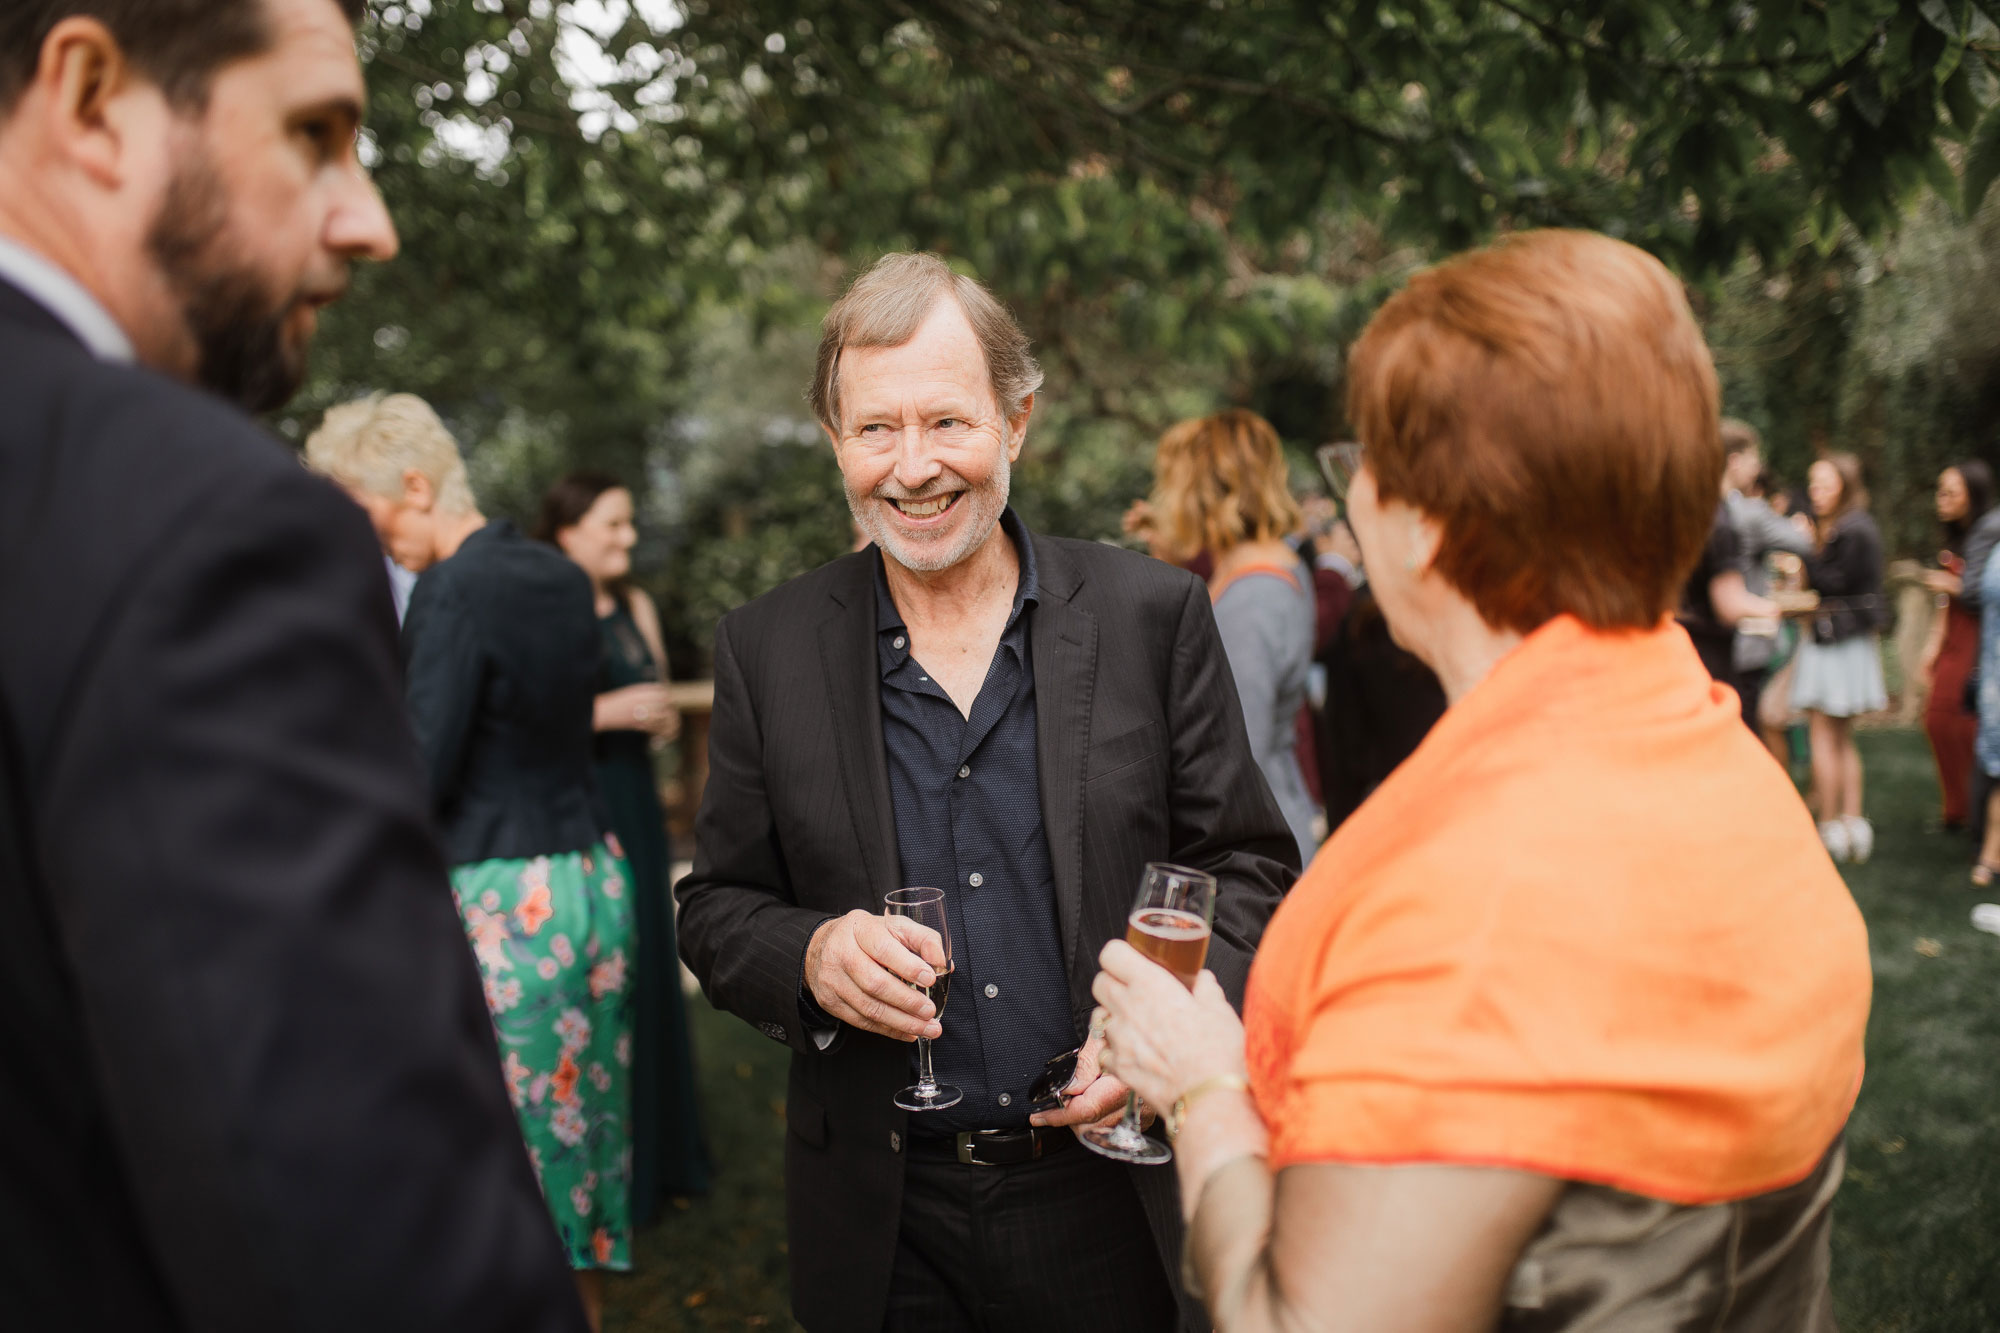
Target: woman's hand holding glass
[(1160, 1039)]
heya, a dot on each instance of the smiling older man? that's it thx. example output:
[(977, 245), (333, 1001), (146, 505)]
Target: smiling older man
[(1022, 721)]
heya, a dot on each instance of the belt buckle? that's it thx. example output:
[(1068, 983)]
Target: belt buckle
[(967, 1142)]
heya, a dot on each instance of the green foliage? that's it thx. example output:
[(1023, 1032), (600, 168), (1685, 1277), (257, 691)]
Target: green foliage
[(622, 218), (1697, 129), (1890, 350)]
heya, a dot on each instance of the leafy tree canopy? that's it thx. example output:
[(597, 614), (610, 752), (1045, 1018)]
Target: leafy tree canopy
[(621, 218)]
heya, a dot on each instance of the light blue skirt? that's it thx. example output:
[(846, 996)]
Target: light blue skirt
[(1839, 679)]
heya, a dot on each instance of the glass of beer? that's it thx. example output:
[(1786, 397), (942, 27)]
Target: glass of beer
[(926, 908), (1170, 924)]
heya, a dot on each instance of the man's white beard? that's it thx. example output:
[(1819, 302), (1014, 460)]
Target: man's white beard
[(983, 504)]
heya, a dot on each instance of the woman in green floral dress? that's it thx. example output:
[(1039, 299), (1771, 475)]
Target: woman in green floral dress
[(552, 937), (588, 516), (500, 668)]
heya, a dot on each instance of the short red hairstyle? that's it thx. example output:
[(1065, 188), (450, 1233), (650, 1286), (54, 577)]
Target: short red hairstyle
[(1550, 401)]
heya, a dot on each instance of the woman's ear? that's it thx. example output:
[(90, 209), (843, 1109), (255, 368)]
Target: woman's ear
[(1425, 537)]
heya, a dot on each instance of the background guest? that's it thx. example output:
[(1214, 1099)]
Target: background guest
[(1839, 672), (1964, 494), (1220, 486), (1381, 702), (589, 516), (1987, 746), (1716, 599), (500, 653), (1515, 1052), (1762, 532)]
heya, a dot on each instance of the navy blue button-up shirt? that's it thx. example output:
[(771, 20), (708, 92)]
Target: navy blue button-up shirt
[(968, 798)]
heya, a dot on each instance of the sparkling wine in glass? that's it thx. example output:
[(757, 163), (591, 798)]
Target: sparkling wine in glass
[(926, 908), (1171, 920)]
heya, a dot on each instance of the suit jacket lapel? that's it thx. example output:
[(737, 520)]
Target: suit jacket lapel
[(852, 672), (1064, 650)]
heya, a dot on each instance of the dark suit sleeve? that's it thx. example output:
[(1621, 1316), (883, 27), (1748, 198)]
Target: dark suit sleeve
[(284, 1017), (742, 932), (443, 665), (1224, 818)]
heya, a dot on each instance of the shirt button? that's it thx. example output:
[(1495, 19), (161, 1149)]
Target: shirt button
[(1006, 1099), (965, 771), (992, 991), (975, 879), (899, 641), (895, 1141)]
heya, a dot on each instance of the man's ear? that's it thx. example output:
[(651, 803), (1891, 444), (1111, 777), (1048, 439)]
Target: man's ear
[(89, 95), (418, 493), (1017, 429)]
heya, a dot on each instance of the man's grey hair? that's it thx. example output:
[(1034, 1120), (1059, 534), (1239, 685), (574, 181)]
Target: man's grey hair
[(886, 305)]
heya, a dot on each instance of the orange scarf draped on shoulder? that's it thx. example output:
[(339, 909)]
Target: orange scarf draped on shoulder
[(1586, 930)]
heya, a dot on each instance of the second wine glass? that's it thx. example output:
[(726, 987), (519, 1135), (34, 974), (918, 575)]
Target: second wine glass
[(1172, 917), (926, 908)]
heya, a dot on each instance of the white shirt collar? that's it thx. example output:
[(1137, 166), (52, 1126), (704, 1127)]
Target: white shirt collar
[(67, 299)]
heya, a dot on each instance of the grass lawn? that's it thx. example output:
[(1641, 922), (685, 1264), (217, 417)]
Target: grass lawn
[(1917, 1239)]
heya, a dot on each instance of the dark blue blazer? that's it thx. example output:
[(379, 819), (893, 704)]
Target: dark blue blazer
[(501, 648)]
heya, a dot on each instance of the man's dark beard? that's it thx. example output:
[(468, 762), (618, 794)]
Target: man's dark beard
[(238, 325)]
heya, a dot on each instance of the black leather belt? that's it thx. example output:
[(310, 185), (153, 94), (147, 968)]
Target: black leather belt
[(994, 1147)]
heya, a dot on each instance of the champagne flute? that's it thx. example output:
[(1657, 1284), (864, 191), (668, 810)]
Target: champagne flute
[(1171, 920), (926, 908)]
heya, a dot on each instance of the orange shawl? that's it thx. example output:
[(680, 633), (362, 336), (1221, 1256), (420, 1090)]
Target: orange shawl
[(1586, 930)]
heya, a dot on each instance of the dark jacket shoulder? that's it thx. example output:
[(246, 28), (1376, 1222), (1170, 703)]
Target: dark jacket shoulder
[(1114, 569), (117, 483)]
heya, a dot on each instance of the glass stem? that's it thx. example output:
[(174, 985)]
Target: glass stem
[(1131, 1122), (926, 1081)]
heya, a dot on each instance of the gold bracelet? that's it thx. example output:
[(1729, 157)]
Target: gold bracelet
[(1177, 1116)]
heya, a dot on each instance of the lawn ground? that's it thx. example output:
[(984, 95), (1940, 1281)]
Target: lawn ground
[(1917, 1231)]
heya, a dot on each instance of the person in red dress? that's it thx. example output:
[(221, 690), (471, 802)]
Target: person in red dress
[(1964, 493)]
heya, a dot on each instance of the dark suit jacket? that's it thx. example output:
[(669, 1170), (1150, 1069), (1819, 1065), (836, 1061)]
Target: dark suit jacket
[(1143, 758), (247, 1080), (500, 647)]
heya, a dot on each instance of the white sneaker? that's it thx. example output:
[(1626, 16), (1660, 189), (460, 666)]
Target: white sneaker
[(1860, 838), (1833, 833)]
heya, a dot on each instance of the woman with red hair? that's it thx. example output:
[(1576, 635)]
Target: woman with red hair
[(1518, 1048)]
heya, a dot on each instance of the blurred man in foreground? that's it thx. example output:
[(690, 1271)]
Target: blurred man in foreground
[(246, 1077)]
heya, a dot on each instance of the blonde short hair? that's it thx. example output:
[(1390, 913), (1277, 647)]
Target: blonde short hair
[(1220, 481), (888, 303), (371, 442)]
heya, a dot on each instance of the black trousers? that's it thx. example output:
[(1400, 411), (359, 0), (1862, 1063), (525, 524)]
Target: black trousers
[(1043, 1247)]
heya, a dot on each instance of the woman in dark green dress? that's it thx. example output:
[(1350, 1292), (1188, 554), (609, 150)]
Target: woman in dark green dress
[(590, 518)]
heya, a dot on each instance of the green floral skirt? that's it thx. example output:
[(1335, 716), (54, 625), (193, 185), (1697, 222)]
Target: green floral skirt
[(553, 936)]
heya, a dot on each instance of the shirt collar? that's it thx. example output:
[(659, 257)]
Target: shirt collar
[(1026, 590), (67, 299)]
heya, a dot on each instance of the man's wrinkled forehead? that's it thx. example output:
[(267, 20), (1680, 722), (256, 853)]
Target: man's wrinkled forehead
[(942, 359)]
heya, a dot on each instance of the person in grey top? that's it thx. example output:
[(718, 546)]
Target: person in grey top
[(1220, 487), (1761, 531)]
